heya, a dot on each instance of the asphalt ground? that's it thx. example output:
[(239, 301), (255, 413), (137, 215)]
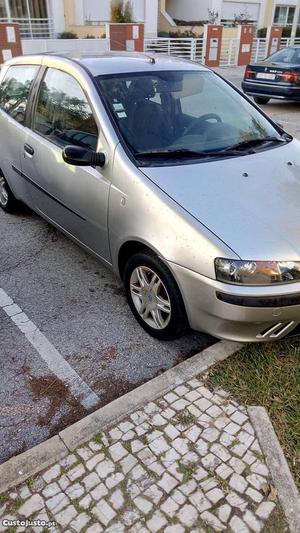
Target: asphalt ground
[(87, 336)]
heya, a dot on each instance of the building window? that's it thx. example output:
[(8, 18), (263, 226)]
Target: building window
[(284, 15), (21, 9)]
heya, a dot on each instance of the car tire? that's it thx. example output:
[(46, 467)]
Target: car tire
[(159, 310), (7, 200), (261, 100)]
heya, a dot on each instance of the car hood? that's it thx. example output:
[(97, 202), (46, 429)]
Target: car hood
[(252, 202)]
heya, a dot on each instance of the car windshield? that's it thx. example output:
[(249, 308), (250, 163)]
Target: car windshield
[(286, 55), (181, 112)]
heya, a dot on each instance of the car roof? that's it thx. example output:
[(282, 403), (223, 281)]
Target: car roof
[(115, 62)]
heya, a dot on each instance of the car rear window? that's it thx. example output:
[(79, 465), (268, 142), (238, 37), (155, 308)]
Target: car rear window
[(15, 88)]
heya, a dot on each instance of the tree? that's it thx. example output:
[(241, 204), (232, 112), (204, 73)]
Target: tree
[(120, 11), (212, 16)]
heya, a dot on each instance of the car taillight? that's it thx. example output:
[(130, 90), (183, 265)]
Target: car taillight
[(290, 77), (248, 73)]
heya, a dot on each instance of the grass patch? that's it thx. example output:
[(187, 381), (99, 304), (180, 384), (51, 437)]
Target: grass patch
[(188, 470), (268, 375)]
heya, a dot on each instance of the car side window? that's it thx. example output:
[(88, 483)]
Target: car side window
[(15, 88), (63, 114)]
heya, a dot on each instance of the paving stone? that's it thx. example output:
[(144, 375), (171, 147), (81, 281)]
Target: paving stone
[(224, 513), (170, 507), (171, 397), (85, 502), (202, 447), (259, 468), (95, 446), (178, 497), (238, 483), (128, 463), (80, 522), (94, 528), (192, 396), (239, 418), (99, 492), (130, 517), (128, 436), (114, 480), (24, 492), (188, 487), (137, 445), (245, 438), (200, 473), (52, 473), (144, 505), (238, 526), (210, 434), (57, 502), (180, 405), (215, 495), (85, 453), (199, 500), (117, 451), (168, 413), (104, 512), (256, 480), (154, 494), (252, 521), (159, 446), (34, 504), (157, 521), (176, 528), (210, 461), (50, 490), (105, 468), (221, 422), (90, 481), (249, 458), (64, 482), (205, 392), (220, 451), (236, 501), (194, 410), (64, 517), (157, 468), (213, 521), (117, 499), (265, 509), (181, 445), (91, 463), (214, 411), (237, 465), (169, 457), (232, 428), (76, 472), (167, 482), (171, 431), (193, 433), (146, 456), (126, 426), (203, 404), (151, 408), (75, 491), (254, 495), (188, 515)]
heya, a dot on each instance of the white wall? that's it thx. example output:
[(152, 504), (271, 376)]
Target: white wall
[(56, 12), (36, 46), (188, 9), (230, 8)]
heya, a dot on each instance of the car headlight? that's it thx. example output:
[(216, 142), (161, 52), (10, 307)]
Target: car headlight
[(256, 272)]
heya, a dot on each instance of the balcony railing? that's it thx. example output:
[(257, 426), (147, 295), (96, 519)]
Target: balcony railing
[(33, 28)]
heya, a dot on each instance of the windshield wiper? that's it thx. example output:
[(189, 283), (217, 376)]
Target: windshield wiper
[(181, 152), (251, 143)]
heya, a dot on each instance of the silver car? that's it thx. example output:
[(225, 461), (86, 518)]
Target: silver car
[(168, 174)]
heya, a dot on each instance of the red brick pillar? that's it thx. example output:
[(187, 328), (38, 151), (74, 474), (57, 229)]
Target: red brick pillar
[(245, 36), (10, 41), (274, 35), (126, 37), (213, 43)]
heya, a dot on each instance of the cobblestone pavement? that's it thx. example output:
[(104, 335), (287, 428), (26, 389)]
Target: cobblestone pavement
[(189, 461)]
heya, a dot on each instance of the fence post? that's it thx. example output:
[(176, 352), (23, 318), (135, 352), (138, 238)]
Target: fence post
[(257, 50), (169, 47), (193, 49), (229, 52)]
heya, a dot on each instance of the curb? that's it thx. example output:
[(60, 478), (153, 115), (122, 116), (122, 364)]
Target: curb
[(287, 491), (21, 467)]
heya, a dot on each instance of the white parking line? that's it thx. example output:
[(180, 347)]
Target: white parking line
[(54, 360)]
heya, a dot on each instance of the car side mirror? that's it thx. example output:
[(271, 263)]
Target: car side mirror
[(83, 157)]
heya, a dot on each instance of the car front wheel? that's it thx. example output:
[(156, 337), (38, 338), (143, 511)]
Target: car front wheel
[(154, 297), (261, 100), (7, 200)]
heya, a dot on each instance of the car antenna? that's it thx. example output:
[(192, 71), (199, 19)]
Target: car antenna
[(151, 59)]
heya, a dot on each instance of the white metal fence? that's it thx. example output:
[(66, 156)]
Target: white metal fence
[(33, 28), (193, 49)]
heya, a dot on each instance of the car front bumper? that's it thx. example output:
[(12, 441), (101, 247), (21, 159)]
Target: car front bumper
[(269, 90), (239, 313)]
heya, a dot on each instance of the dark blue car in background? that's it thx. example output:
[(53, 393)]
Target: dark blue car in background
[(277, 76)]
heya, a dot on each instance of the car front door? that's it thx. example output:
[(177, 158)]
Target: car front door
[(73, 198)]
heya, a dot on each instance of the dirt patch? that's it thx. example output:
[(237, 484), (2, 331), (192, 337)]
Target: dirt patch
[(112, 388), (59, 395)]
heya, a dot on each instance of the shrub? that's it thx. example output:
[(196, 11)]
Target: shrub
[(286, 31), (90, 36), (120, 11), (261, 33), (67, 35)]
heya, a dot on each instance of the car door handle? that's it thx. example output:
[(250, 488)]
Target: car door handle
[(28, 149)]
